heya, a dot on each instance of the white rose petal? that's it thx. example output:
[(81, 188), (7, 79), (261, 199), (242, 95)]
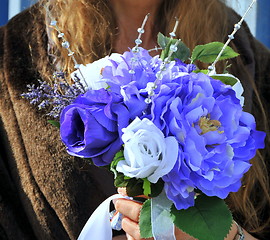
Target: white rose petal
[(90, 75), (147, 153)]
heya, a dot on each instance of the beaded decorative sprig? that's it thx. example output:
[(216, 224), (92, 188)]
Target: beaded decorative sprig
[(237, 26), (173, 47), (62, 93)]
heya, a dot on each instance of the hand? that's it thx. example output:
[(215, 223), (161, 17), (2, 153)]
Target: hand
[(131, 211)]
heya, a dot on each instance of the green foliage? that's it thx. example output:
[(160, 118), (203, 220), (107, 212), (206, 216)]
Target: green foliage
[(208, 53), (156, 188), (54, 123), (117, 158), (120, 180), (146, 187), (228, 80), (134, 186), (145, 220), (164, 42), (204, 71), (209, 219)]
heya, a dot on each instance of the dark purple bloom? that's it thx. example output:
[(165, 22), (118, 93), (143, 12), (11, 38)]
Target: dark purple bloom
[(216, 137), (91, 126)]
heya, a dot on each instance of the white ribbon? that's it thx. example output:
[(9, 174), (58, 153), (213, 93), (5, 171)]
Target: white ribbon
[(162, 224), (98, 225)]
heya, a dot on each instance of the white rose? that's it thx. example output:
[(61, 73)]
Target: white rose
[(91, 75), (147, 153)]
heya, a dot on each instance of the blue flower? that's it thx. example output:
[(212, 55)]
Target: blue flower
[(129, 74), (216, 137), (178, 186), (91, 126)]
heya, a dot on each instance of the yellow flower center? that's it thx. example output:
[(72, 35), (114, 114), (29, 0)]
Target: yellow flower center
[(207, 125)]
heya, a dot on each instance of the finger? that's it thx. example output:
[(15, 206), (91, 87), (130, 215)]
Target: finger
[(129, 208), (131, 228), (129, 237), (122, 191)]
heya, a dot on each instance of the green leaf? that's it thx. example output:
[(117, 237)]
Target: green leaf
[(209, 219), (228, 80), (145, 220), (208, 53), (54, 123), (162, 40), (117, 158), (182, 53), (120, 180), (146, 187), (156, 188), (134, 187), (204, 71)]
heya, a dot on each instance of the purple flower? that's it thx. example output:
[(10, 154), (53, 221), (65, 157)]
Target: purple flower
[(128, 75), (91, 126), (178, 186), (216, 137), (139, 68)]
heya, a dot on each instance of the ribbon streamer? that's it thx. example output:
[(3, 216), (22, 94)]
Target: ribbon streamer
[(98, 225), (162, 224)]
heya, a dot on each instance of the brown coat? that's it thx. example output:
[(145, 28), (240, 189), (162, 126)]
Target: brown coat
[(45, 193)]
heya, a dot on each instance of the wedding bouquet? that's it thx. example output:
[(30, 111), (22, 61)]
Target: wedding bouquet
[(169, 131)]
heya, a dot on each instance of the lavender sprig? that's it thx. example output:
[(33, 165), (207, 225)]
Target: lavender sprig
[(55, 96)]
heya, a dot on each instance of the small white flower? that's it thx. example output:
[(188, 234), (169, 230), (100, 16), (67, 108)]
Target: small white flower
[(147, 153), (90, 75)]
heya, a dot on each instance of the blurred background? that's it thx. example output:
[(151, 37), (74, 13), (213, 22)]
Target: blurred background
[(258, 19)]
